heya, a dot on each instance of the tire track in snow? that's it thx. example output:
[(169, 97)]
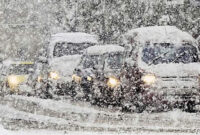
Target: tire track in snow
[(30, 112)]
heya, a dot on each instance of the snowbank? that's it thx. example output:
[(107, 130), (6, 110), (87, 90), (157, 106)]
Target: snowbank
[(17, 113), (159, 34), (102, 49), (53, 132)]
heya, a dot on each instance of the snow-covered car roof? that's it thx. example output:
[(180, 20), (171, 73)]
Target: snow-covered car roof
[(159, 34), (74, 37), (102, 49)]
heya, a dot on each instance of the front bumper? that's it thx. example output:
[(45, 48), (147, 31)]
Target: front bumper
[(21, 89), (173, 95)]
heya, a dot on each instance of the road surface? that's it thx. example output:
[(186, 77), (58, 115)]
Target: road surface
[(30, 115)]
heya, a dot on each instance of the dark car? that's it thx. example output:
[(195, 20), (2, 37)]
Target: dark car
[(98, 74)]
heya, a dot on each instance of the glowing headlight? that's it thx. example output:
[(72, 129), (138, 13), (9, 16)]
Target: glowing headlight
[(113, 82), (54, 75), (13, 81), (89, 78), (149, 79), (76, 78), (39, 79)]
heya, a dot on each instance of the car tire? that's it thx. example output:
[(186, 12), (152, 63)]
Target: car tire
[(137, 108)]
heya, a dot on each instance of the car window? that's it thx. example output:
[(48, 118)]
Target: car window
[(115, 60), (168, 53), (20, 69), (64, 48), (90, 61)]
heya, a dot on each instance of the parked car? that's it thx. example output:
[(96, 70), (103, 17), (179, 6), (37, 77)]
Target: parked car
[(63, 54), (98, 73), (16, 77), (167, 65)]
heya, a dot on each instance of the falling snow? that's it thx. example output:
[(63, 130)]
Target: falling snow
[(94, 67)]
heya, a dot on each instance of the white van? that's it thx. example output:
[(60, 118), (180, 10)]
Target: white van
[(63, 54), (169, 63), (65, 51)]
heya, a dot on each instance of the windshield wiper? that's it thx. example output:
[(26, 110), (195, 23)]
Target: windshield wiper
[(176, 58), (158, 57)]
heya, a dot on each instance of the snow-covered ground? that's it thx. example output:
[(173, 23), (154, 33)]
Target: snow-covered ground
[(53, 132), (21, 115)]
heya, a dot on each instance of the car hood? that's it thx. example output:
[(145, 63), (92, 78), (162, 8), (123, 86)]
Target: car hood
[(173, 69), (65, 65)]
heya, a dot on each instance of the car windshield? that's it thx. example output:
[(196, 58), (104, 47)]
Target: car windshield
[(20, 69), (115, 60), (90, 61), (64, 48), (168, 53)]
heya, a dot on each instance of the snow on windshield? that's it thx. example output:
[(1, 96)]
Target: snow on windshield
[(99, 54), (21, 69), (91, 61), (159, 53), (65, 48), (115, 60), (112, 60)]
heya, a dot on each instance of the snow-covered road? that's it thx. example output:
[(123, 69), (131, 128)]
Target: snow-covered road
[(30, 115)]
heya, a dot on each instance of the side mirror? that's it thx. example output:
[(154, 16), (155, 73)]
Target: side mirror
[(42, 59)]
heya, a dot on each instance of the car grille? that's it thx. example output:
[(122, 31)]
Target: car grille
[(181, 78), (184, 82)]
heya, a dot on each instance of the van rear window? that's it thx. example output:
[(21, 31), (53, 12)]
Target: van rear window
[(62, 49)]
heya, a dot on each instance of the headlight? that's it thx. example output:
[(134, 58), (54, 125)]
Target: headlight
[(113, 82), (76, 78), (13, 81), (149, 79), (89, 78), (54, 75), (39, 79)]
